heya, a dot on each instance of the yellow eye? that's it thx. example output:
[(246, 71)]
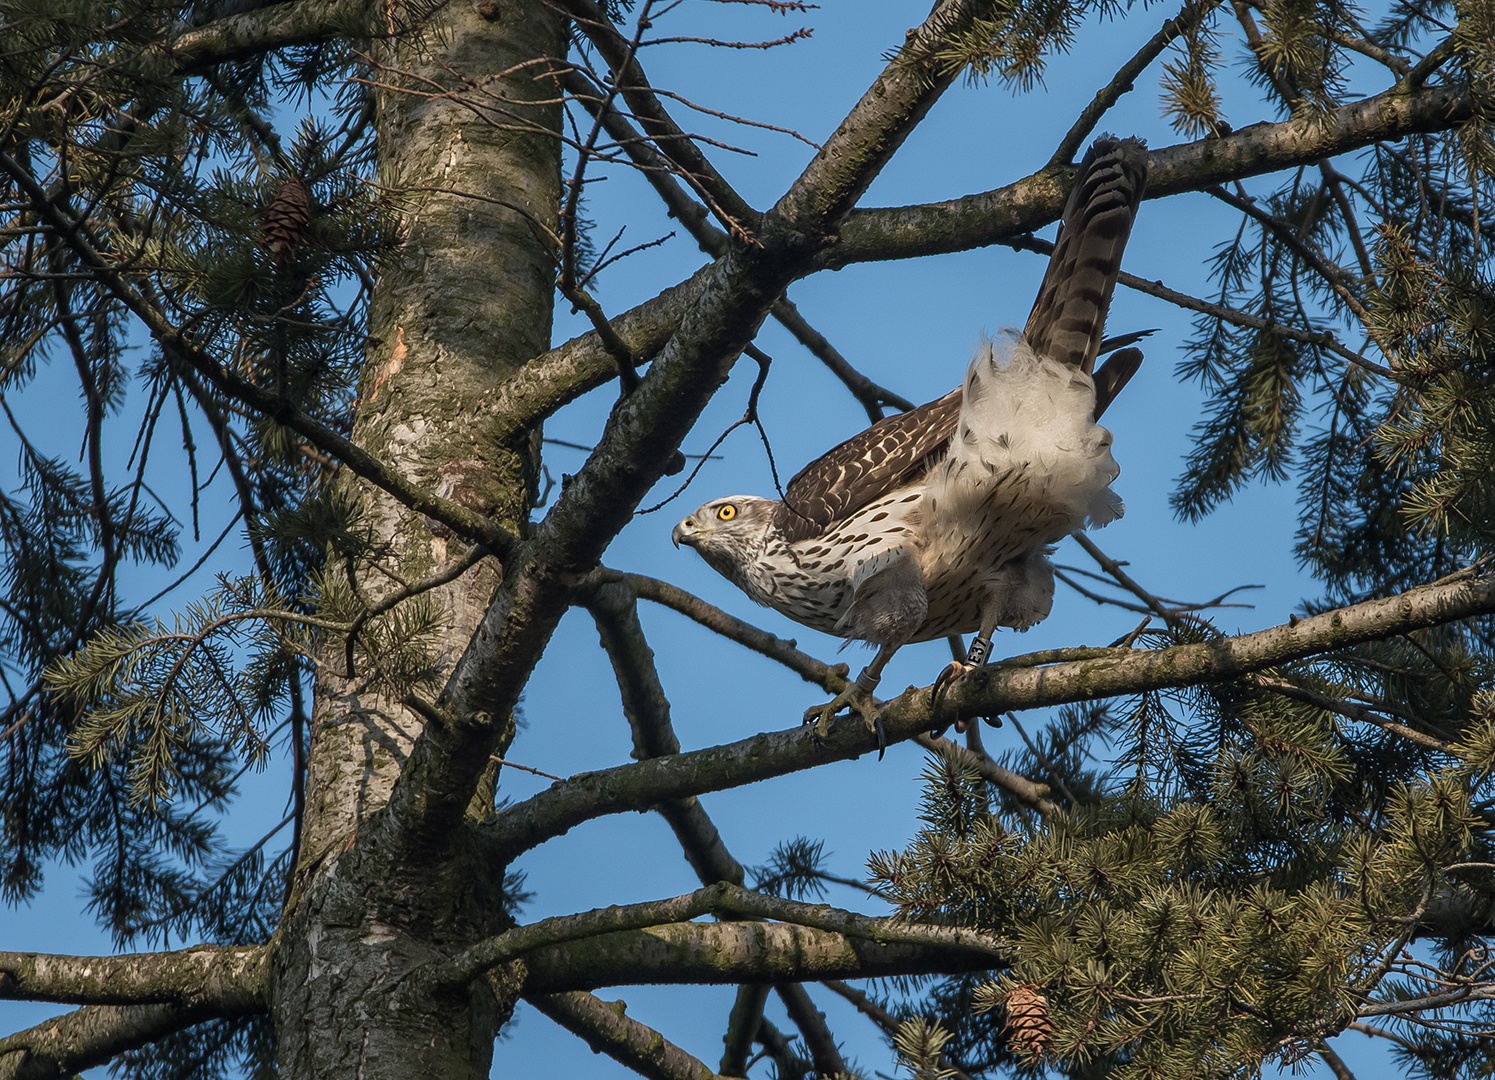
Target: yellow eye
[(726, 512)]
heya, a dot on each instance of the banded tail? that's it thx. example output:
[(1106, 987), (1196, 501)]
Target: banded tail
[(1069, 316)]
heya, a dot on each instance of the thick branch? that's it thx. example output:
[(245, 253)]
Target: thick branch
[(721, 899), (1109, 673), (277, 26), (1001, 215), (992, 216), (64, 1046), (607, 1029), (735, 952), (231, 979)]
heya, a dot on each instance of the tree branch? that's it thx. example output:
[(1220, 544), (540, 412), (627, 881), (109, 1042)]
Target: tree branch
[(996, 689), (993, 216), (1121, 84), (713, 242), (60, 1048), (74, 231), (731, 208), (648, 712), (735, 952), (607, 1029), (721, 899), (614, 608), (239, 37), (885, 1020), (1324, 339), (824, 1054), (230, 978)]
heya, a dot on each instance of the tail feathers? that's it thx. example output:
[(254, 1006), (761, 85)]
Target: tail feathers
[(1027, 433), (1112, 376), (1069, 316)]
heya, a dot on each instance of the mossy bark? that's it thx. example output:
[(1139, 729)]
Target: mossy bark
[(465, 302)]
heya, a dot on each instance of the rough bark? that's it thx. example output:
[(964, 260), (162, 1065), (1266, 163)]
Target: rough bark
[(734, 952), (467, 301)]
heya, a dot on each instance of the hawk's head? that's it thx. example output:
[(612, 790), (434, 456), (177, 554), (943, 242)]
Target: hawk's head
[(727, 532)]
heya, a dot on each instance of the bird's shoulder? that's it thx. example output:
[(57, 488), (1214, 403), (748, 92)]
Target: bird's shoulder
[(888, 455)]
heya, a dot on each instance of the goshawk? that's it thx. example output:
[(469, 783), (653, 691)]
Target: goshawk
[(939, 521)]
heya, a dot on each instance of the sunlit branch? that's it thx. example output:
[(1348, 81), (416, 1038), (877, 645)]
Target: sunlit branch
[(1003, 213), (230, 977), (607, 1029), (996, 689), (721, 899), (64, 1046), (736, 952)]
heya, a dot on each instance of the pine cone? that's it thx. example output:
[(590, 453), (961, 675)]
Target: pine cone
[(1029, 1031), (286, 217)]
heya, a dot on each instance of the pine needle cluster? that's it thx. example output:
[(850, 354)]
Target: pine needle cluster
[(1190, 937)]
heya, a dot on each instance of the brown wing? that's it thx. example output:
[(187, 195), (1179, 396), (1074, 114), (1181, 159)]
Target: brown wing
[(1069, 315), (892, 452)]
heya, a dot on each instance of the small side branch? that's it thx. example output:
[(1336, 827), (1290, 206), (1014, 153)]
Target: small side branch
[(1073, 139), (829, 677), (885, 1020), (659, 172), (1351, 711), (648, 711), (607, 1029), (1321, 338), (76, 233), (824, 1053)]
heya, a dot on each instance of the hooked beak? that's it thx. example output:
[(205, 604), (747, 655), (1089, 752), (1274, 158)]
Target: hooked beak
[(686, 533)]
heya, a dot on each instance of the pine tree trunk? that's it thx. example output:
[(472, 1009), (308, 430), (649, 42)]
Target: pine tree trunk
[(466, 300)]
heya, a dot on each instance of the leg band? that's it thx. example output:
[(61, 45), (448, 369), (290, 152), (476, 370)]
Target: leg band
[(868, 681), (980, 650)]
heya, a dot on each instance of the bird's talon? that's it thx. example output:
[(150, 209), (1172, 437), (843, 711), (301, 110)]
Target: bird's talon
[(952, 674), (860, 701)]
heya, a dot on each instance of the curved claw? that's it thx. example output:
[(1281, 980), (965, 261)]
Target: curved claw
[(861, 702), (952, 674)]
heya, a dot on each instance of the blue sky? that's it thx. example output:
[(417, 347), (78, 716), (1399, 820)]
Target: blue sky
[(911, 327)]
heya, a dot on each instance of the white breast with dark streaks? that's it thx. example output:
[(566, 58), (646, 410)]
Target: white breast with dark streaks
[(817, 590)]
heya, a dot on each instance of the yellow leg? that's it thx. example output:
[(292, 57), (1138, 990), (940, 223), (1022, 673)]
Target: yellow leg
[(858, 697)]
